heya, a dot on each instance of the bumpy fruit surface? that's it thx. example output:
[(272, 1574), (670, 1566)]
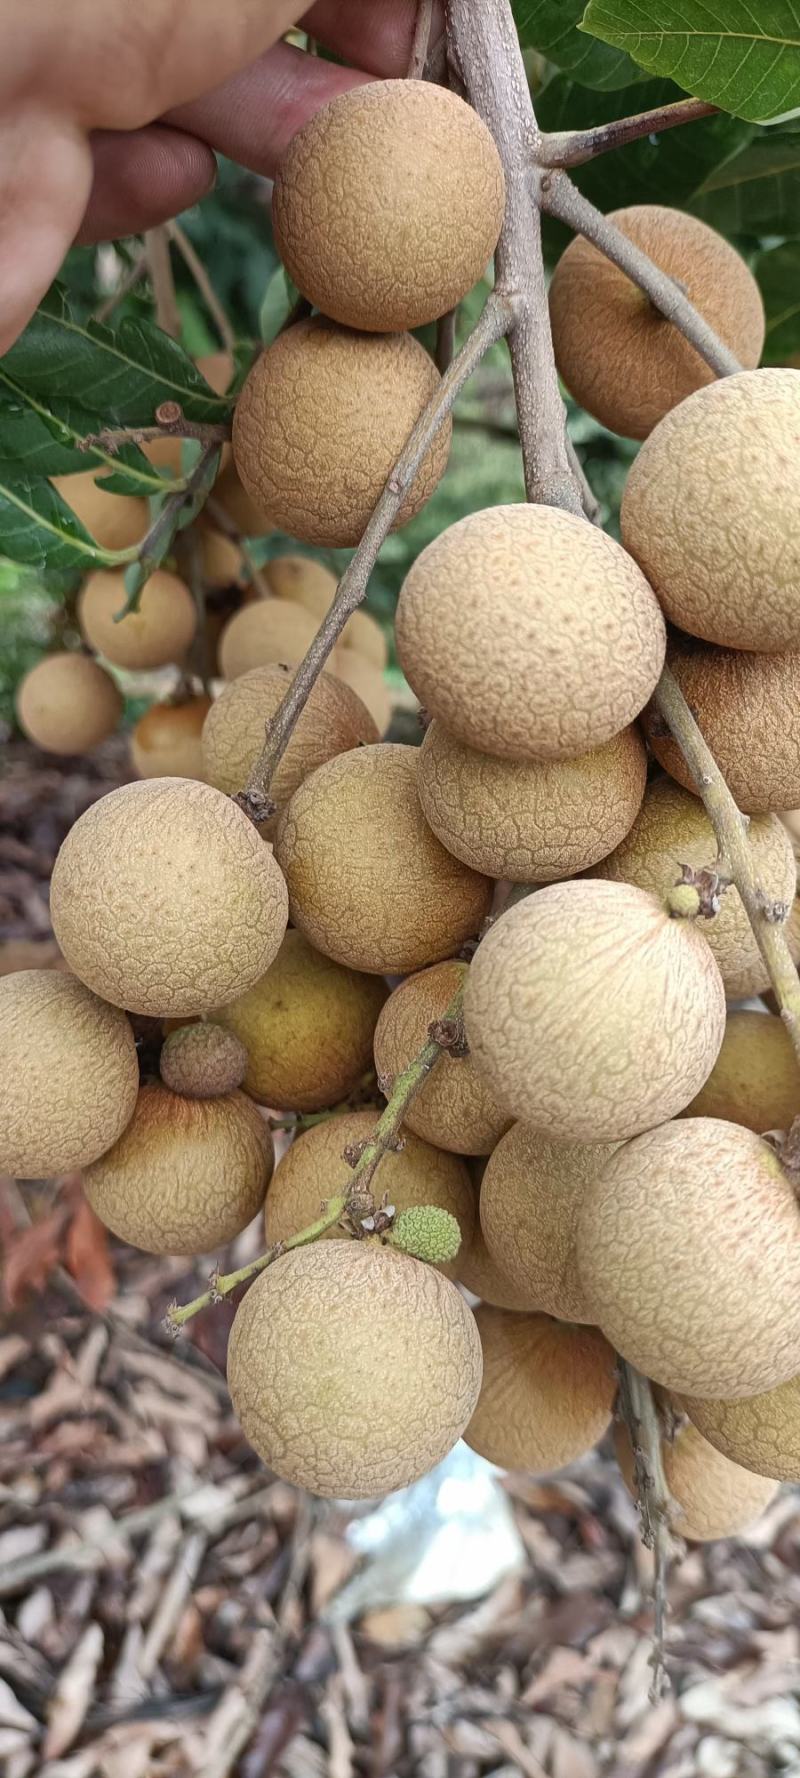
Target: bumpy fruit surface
[(754, 1080), (307, 1026), (186, 1175), (454, 1108), (166, 741), (369, 883), (762, 1433), (689, 1256), (367, 681), (531, 1195), (68, 704), (713, 1497), (165, 900), (726, 461), (115, 521), (591, 1013), (388, 204), (68, 1074), (159, 632), (547, 1391), (477, 1271), (619, 358), (264, 633), (314, 1169), (321, 422), (530, 820), (748, 708), (202, 1061), (672, 829), (531, 634), (353, 1369)]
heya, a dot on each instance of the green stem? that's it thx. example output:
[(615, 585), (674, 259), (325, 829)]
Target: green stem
[(178, 510), (224, 1283)]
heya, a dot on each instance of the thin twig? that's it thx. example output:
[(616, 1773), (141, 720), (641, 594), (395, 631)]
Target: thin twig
[(112, 437), (134, 272), (422, 38), (156, 242), (158, 540), (571, 148), (222, 522), (638, 1410), (195, 265), (591, 504)]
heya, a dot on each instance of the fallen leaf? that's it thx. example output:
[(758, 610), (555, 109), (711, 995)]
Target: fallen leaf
[(88, 1258), (31, 1255)]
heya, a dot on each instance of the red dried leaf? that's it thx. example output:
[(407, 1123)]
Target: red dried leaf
[(87, 1257), (31, 1255)]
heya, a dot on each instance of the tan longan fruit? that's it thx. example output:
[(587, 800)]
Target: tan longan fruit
[(166, 900), (321, 422), (165, 453), (307, 1027), (266, 633), (755, 1079), (454, 1108), (314, 1169), (368, 682), (364, 636), (531, 820), (748, 708), (115, 521), (237, 504), (353, 1369), (202, 1061), (710, 511), (761, 1434), (477, 1271), (160, 631), (531, 1194), (186, 1176), (547, 1392), (333, 720), (68, 1074), (388, 204), (221, 561), (369, 883), (218, 368), (529, 633), (620, 359), (713, 1497), (67, 704), (673, 829), (689, 1256), (592, 1013), (166, 741), (307, 582)]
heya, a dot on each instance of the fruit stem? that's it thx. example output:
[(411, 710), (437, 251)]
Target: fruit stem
[(422, 38), (223, 1283), (637, 1408), (194, 264), (571, 148), (159, 262), (178, 510)]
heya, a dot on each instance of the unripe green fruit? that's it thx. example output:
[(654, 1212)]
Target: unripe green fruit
[(428, 1233), (547, 1392), (202, 1061), (68, 1074)]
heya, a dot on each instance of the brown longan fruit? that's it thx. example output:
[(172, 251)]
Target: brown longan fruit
[(755, 1080), (761, 1433), (115, 521), (266, 633), (67, 703), (547, 1392), (748, 709), (367, 681), (69, 1075), (454, 1108), (160, 631), (202, 1061), (167, 741), (531, 1194)]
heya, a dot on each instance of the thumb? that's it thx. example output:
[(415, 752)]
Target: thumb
[(45, 181)]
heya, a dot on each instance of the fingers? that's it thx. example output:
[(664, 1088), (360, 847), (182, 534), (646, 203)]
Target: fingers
[(375, 35), (141, 178), (45, 179)]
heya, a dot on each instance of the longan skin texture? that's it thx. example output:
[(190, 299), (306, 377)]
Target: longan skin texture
[(115, 521), (529, 633), (186, 1176), (353, 1369), (67, 704), (689, 1255), (69, 1074), (672, 829), (530, 820), (263, 634), (368, 683), (454, 1108), (547, 1393), (307, 1026), (388, 204), (531, 1193), (314, 1169), (307, 582), (619, 358), (166, 741), (713, 1497), (160, 631), (748, 708), (761, 1434), (165, 900), (710, 511), (598, 1038), (754, 1080), (321, 422), (369, 883), (202, 1061), (477, 1271)]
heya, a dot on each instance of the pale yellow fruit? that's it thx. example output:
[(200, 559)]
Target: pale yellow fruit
[(333, 720), (748, 708), (591, 1013), (762, 1433), (307, 582), (454, 1108), (531, 1194), (672, 829), (531, 634), (321, 422), (368, 682), (619, 358), (362, 634), (369, 884), (186, 1176), (202, 1061), (165, 453), (307, 1027), (713, 1497), (68, 1074), (165, 900), (710, 511), (67, 704), (388, 204), (265, 633), (166, 741), (755, 1079), (477, 1271), (221, 561), (353, 1369), (115, 521), (314, 1169), (160, 631), (530, 820), (689, 1256), (547, 1391)]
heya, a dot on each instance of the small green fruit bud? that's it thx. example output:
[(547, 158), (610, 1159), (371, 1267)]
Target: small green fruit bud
[(684, 901), (427, 1232)]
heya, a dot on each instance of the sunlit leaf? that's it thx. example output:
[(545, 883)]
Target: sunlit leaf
[(738, 55), (38, 528)]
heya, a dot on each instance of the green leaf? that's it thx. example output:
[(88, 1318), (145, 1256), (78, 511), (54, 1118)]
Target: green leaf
[(757, 192), (742, 56), (778, 273), (280, 297), (551, 27), (41, 437), (38, 528)]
